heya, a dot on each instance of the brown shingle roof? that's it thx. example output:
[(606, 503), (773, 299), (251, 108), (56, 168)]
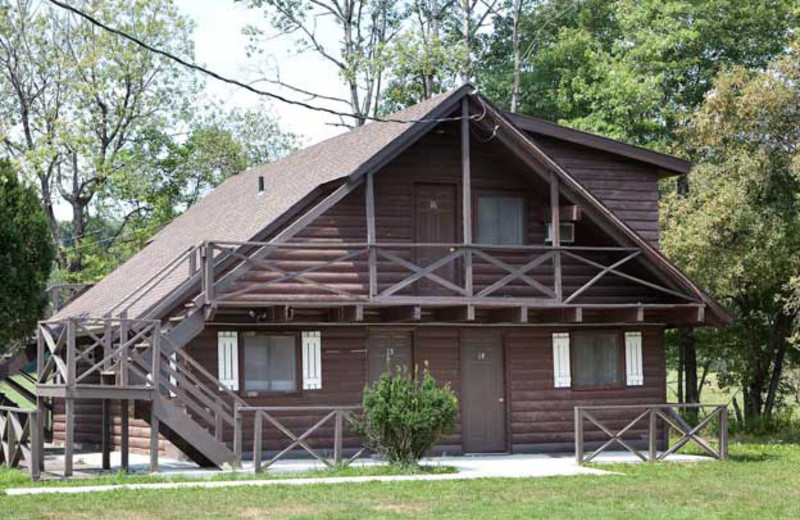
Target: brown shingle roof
[(235, 211)]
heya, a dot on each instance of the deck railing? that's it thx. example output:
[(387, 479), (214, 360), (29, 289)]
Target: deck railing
[(338, 414), (652, 414), (20, 439), (119, 346), (388, 271)]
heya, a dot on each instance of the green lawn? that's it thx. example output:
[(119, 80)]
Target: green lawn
[(760, 481)]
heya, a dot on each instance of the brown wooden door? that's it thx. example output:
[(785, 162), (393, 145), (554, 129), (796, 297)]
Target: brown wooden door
[(482, 393), (389, 351), (435, 213)]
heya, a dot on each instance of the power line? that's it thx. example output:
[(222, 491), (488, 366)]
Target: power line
[(219, 77)]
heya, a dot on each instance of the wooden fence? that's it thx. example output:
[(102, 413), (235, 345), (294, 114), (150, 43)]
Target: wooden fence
[(668, 413), (20, 439), (337, 414)]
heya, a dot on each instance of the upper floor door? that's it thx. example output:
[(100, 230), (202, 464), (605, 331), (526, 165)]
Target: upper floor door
[(436, 217)]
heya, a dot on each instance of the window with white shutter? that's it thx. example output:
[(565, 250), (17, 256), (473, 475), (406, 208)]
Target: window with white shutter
[(633, 359), (561, 369), (312, 360), (228, 359)]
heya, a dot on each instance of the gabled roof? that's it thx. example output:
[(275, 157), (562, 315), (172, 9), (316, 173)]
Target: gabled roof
[(236, 211), (669, 164)]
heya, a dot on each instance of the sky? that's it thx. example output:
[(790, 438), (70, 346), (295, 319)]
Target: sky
[(221, 47)]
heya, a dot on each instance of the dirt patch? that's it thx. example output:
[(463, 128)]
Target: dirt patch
[(274, 512), (117, 515), (406, 507)]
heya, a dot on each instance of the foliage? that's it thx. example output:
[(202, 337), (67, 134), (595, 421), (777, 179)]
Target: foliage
[(363, 29), (26, 257), (738, 229), (404, 416), (630, 69)]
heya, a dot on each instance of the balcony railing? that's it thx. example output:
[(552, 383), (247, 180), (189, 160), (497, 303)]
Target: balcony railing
[(395, 272)]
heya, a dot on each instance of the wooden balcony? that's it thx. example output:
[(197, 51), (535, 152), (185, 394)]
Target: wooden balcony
[(455, 279)]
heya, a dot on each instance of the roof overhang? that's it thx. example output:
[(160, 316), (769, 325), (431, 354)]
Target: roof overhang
[(668, 165)]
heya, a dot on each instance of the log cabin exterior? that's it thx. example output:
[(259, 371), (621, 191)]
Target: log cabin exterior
[(515, 259)]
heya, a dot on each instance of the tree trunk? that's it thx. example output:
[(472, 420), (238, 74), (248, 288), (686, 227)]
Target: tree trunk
[(517, 57), (782, 327), (466, 29)]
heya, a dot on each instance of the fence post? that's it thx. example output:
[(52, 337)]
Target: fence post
[(337, 438), (11, 440), (723, 432), (653, 436), (237, 437), (257, 451), (34, 436), (579, 435)]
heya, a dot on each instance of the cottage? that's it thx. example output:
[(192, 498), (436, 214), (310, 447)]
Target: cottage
[(516, 259)]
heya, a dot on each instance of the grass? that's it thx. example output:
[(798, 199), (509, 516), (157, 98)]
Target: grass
[(760, 481), (15, 479)]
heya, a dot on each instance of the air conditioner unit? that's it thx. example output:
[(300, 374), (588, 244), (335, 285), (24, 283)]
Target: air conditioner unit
[(567, 233)]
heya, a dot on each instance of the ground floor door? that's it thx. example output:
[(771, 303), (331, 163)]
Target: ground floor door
[(483, 409)]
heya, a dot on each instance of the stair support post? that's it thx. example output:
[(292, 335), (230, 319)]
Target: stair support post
[(125, 438), (154, 427)]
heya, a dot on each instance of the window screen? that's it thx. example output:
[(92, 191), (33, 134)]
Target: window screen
[(596, 359), (270, 363), (500, 219)]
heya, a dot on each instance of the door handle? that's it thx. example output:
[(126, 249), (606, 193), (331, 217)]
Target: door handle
[(501, 400)]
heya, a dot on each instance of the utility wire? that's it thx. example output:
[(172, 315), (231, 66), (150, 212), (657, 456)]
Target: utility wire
[(250, 88)]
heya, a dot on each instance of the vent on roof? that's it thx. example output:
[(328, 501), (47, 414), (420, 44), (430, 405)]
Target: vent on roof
[(260, 184)]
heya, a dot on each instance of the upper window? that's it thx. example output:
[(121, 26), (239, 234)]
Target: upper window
[(270, 363), (596, 360), (501, 219)]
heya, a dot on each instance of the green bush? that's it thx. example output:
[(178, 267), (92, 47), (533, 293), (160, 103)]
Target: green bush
[(404, 416)]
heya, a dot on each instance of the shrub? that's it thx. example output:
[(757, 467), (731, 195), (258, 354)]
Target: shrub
[(404, 416)]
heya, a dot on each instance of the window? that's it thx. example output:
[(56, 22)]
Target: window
[(567, 233), (501, 219), (596, 360), (270, 363)]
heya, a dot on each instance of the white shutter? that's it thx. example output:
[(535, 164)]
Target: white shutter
[(561, 370), (228, 359), (633, 358), (312, 360)]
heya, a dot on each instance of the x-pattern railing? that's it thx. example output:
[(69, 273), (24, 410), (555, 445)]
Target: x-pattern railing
[(447, 266), (19, 439), (338, 414), (668, 413), (120, 346)]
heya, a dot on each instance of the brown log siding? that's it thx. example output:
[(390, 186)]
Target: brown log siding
[(632, 193)]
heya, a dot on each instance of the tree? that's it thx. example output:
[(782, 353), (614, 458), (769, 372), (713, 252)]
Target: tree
[(83, 98), (630, 69), (364, 29), (426, 56), (26, 257), (737, 230), (182, 168)]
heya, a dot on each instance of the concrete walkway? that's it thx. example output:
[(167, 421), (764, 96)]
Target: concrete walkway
[(468, 467)]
